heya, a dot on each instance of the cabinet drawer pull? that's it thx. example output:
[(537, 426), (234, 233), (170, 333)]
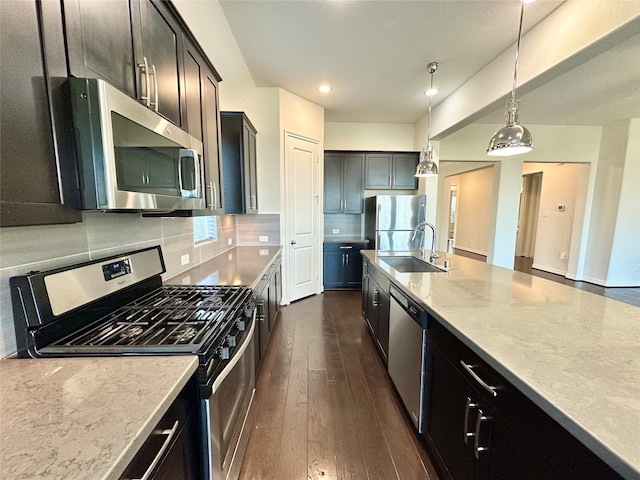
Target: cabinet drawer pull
[(476, 441), (468, 406), (346, 247), (144, 68), (170, 434), (469, 368), (154, 104)]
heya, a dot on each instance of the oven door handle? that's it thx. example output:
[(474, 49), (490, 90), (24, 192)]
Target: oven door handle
[(236, 355), (170, 434)]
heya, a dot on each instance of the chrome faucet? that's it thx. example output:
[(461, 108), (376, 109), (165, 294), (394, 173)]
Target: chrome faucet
[(433, 255)]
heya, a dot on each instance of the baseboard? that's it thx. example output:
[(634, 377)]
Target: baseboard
[(471, 250), (603, 283), (549, 269)]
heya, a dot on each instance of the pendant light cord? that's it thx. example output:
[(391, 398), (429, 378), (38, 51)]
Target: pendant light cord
[(429, 118), (515, 69)]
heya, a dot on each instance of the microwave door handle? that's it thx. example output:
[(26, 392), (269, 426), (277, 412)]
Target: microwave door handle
[(190, 153)]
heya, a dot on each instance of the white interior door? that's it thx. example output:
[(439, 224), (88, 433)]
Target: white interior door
[(302, 214)]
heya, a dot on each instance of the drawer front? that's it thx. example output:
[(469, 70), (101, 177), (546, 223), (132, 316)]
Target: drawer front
[(344, 247)]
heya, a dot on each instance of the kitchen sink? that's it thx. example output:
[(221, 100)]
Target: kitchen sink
[(410, 264)]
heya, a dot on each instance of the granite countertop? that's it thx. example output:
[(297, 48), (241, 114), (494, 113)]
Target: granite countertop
[(80, 418), (238, 266), (573, 353)]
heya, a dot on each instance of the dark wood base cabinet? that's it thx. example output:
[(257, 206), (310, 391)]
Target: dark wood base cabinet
[(481, 427), (267, 295), (376, 307), (342, 265), (172, 451)]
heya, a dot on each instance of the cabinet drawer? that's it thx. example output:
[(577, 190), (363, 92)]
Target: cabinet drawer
[(344, 247)]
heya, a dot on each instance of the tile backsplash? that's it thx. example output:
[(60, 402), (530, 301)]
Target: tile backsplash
[(23, 249), (256, 230), (348, 225)]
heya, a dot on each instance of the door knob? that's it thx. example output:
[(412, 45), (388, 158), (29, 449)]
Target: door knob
[(293, 242)]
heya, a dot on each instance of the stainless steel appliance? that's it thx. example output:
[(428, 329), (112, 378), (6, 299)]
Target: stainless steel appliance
[(130, 157), (389, 221), (407, 353), (118, 305)]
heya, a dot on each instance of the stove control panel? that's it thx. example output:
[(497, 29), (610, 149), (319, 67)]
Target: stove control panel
[(116, 269)]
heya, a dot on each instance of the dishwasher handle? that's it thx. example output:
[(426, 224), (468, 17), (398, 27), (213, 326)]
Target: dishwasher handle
[(413, 310)]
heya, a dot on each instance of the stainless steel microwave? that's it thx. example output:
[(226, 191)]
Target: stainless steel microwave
[(129, 157)]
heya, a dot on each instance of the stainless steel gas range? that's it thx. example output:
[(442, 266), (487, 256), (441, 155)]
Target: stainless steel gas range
[(118, 306)]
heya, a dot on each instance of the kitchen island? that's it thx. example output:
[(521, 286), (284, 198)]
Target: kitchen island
[(575, 354)]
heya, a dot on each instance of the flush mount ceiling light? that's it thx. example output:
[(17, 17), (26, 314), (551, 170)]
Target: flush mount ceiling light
[(427, 167), (324, 88), (513, 138)]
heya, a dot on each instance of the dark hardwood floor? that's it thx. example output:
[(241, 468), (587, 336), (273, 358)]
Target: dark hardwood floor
[(325, 406), (630, 295)]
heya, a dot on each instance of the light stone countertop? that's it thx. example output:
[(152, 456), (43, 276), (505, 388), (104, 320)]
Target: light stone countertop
[(238, 266), (82, 418), (573, 353), (345, 240)]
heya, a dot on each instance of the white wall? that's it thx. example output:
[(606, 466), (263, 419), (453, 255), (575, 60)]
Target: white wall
[(554, 233), (624, 265), (369, 136), (263, 108), (474, 209)]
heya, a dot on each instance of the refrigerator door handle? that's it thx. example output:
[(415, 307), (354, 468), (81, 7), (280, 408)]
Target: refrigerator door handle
[(378, 216)]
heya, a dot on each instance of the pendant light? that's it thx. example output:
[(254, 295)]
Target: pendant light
[(513, 138), (427, 167)]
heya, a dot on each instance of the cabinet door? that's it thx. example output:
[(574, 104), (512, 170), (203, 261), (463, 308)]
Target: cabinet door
[(263, 319), (353, 270), (450, 418), (160, 43), (353, 183), (404, 170), (193, 90), (100, 43), (212, 143), (278, 284), (34, 156), (272, 302), (378, 171), (333, 183), (250, 165), (365, 288), (334, 265), (383, 322)]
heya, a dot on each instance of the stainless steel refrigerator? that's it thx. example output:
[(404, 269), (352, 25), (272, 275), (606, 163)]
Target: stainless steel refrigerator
[(389, 221)]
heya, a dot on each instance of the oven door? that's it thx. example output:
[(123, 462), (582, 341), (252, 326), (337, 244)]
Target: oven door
[(227, 413)]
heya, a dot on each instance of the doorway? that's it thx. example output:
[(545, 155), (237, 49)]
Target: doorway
[(453, 211), (528, 217)]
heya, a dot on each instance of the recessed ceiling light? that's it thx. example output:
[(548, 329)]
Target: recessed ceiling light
[(324, 88), (431, 92)]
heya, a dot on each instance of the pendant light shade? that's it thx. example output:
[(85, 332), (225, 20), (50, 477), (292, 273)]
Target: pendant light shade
[(427, 167), (513, 138)]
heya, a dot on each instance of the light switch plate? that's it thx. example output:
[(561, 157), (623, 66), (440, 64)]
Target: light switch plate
[(335, 230), (229, 241), (184, 259), (231, 256), (263, 238)]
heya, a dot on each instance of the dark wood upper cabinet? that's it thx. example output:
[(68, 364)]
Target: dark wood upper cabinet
[(135, 46), (343, 182), (391, 171), (239, 163), (38, 181), (100, 42)]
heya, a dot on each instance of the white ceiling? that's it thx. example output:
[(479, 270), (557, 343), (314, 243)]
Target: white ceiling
[(374, 55)]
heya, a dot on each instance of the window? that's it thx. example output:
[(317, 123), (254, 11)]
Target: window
[(205, 229)]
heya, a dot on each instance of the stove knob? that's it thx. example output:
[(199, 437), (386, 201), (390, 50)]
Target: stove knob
[(231, 340), (224, 353), (240, 324)]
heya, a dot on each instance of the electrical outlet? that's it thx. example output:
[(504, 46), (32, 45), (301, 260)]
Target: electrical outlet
[(186, 280), (263, 238), (264, 251), (229, 241), (335, 230), (184, 259), (545, 213), (563, 256), (230, 256)]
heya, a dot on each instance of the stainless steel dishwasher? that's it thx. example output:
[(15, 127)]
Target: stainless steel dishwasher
[(407, 352)]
